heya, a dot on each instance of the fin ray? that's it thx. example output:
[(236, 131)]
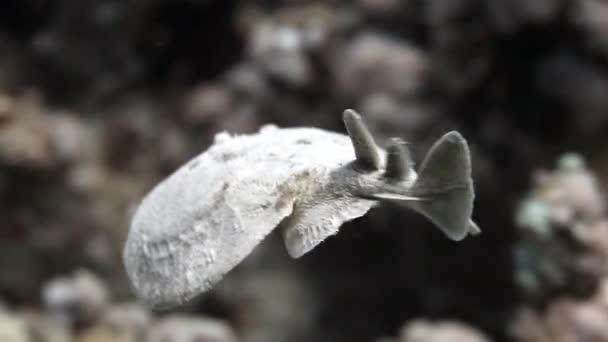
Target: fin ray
[(397, 197)]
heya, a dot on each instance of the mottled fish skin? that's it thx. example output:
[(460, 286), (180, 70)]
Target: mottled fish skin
[(205, 218)]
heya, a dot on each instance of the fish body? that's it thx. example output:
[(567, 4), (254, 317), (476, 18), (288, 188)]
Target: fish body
[(205, 218)]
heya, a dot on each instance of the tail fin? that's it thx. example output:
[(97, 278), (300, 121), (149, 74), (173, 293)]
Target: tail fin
[(443, 191), (445, 180)]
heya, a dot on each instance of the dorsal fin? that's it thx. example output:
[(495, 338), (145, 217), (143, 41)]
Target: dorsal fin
[(365, 147), (398, 160)]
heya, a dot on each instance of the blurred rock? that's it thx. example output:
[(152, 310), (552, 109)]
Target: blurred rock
[(459, 45), (389, 116), (104, 334), (285, 44), (262, 316), (248, 83), (382, 7), (591, 18), (182, 328), (233, 106), (565, 320), (571, 191), (26, 141), (100, 251), (44, 329), (14, 68), (78, 298), (562, 256), (509, 16), (373, 63), (208, 103), (279, 50), (6, 109), (68, 137), (560, 76), (528, 326), (87, 62), (130, 320), (562, 224), (13, 328), (36, 137), (421, 330)]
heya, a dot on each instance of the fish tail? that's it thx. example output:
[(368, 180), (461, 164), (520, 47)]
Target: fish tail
[(445, 180), (443, 190)]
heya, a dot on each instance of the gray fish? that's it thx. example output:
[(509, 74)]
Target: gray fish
[(204, 219)]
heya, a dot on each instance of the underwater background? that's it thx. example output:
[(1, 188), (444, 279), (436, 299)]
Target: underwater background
[(102, 99)]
